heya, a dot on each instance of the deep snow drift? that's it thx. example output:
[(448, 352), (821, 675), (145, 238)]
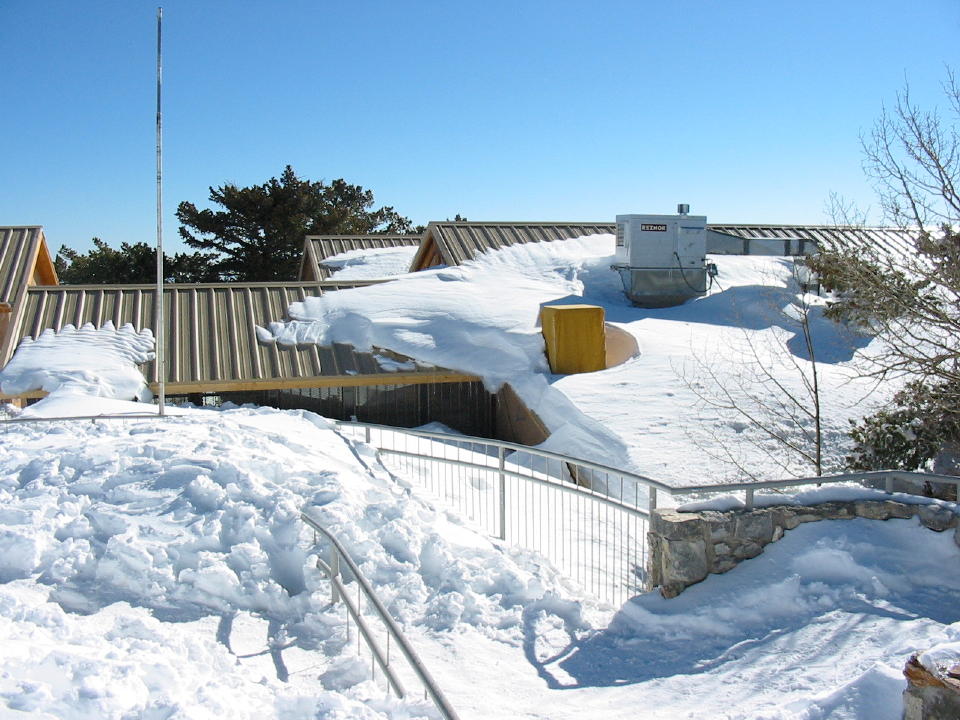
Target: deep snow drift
[(158, 569), (656, 414), (162, 566)]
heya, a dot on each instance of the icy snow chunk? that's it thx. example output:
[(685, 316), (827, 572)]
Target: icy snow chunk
[(393, 365), (19, 554), (89, 361)]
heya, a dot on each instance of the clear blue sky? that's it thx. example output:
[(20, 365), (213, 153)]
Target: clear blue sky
[(750, 111)]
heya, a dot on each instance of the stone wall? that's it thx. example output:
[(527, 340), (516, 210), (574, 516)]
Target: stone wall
[(685, 547), (931, 695)]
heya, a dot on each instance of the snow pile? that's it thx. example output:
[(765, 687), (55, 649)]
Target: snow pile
[(944, 657), (180, 544), (370, 264), (89, 361), (819, 626), (739, 346), (159, 568)]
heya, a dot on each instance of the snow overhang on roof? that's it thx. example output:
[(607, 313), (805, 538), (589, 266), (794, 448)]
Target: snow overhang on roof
[(211, 337)]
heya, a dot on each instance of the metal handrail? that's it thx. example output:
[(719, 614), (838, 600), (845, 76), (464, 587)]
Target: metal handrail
[(888, 476), (429, 684), (130, 416), (517, 447), (576, 489)]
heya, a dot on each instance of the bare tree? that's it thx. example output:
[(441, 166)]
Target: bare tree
[(773, 398), (908, 291)]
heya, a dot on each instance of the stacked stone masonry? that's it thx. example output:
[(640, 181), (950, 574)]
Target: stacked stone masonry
[(931, 694), (685, 547)]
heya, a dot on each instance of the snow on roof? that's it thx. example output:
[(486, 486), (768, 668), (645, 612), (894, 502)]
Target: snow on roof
[(481, 318), (100, 362), (211, 336), (318, 248), (368, 264), (453, 243)]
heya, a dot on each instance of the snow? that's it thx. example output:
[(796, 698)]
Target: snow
[(652, 414), (89, 361), (158, 568), (944, 657), (851, 492), (370, 264)]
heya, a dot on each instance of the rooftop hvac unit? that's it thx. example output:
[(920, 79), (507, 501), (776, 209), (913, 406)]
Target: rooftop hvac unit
[(662, 258)]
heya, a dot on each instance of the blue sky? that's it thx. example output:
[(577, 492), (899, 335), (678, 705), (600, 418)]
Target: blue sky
[(748, 111)]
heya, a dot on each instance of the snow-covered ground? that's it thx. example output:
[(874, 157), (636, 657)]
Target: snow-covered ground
[(158, 569)]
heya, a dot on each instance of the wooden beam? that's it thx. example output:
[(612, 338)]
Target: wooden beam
[(220, 386), (176, 388)]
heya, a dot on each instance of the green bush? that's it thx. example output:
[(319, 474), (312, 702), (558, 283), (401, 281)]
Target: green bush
[(919, 423)]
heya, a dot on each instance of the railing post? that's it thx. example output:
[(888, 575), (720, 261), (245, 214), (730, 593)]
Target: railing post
[(366, 434), (888, 484), (749, 499), (334, 572), (503, 493), (651, 500)]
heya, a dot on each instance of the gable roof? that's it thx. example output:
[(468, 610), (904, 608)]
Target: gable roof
[(317, 248), (453, 243), (210, 335), (24, 260), (796, 237)]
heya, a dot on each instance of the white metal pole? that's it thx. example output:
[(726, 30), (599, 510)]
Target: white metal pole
[(159, 326)]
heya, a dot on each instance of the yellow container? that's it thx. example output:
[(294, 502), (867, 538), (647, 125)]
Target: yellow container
[(575, 338)]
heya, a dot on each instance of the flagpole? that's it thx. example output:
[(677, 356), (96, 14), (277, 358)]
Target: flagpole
[(160, 362)]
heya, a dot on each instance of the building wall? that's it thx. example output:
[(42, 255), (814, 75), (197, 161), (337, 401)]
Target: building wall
[(466, 407)]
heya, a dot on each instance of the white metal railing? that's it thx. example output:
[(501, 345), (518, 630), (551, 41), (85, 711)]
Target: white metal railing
[(113, 416), (589, 519), (381, 656)]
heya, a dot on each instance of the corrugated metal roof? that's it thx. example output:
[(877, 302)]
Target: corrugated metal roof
[(457, 242), (452, 243), (211, 334), (885, 239), (317, 248), (22, 250)]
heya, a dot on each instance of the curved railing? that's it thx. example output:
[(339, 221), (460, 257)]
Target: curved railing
[(339, 555), (589, 519)]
